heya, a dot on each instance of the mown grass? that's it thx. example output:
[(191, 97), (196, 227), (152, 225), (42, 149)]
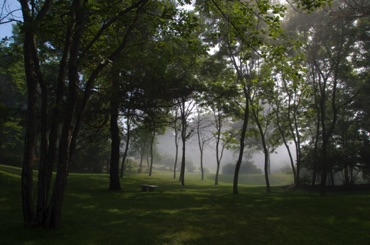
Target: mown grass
[(199, 213)]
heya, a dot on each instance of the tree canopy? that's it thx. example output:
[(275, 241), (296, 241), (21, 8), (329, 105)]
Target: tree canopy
[(81, 77)]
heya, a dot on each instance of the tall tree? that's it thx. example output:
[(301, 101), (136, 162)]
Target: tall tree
[(73, 53), (202, 125)]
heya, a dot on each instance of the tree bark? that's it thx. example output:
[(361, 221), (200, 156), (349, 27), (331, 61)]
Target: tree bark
[(33, 79), (114, 179), (264, 147), (176, 148), (128, 135), (151, 152), (218, 139), (183, 139), (29, 155), (246, 91), (66, 141)]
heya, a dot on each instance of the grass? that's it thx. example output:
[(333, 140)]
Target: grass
[(199, 213)]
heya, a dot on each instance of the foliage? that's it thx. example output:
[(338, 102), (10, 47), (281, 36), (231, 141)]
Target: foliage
[(12, 99), (308, 83)]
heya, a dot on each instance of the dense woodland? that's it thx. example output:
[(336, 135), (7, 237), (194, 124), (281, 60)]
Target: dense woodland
[(95, 81)]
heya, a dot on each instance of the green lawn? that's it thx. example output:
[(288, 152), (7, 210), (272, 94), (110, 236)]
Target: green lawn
[(199, 213)]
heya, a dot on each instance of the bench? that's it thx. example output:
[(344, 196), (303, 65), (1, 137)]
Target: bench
[(145, 187)]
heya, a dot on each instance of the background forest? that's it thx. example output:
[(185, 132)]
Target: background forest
[(92, 85)]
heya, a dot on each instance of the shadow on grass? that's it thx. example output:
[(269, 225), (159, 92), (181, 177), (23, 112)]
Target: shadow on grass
[(199, 213)]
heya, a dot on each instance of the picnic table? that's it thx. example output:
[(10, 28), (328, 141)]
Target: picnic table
[(146, 187)]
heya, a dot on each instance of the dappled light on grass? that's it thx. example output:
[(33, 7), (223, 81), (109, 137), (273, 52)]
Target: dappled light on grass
[(195, 214)]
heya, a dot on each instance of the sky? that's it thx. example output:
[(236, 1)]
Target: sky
[(6, 7)]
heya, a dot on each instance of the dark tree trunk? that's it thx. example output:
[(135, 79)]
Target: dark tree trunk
[(182, 170), (201, 163), (33, 79), (183, 139), (43, 166), (241, 141), (316, 147), (29, 155), (65, 145), (217, 160), (286, 144), (218, 139), (151, 152), (201, 147), (141, 161), (56, 202), (176, 152), (114, 179), (265, 150), (128, 134), (45, 179)]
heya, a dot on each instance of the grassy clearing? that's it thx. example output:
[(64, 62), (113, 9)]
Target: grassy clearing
[(199, 213)]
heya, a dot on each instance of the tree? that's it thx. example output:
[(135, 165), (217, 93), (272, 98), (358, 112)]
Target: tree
[(12, 102), (219, 91), (330, 65), (186, 109), (202, 125), (73, 51)]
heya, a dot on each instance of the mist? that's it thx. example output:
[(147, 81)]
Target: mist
[(166, 146)]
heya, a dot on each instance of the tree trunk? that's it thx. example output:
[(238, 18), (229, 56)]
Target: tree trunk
[(265, 150), (70, 119), (45, 179), (176, 145), (201, 147), (151, 152), (141, 161), (29, 155), (114, 179), (201, 164), (241, 142), (218, 138), (33, 78), (287, 147), (126, 146), (176, 153), (183, 139)]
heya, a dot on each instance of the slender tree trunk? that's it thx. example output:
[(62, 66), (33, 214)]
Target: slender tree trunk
[(65, 145), (183, 139), (33, 78), (56, 202), (141, 161), (176, 156), (217, 155), (29, 155), (201, 147), (151, 152), (288, 150), (128, 134), (201, 163), (265, 150), (241, 141), (176, 145), (182, 170), (43, 166), (45, 179)]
